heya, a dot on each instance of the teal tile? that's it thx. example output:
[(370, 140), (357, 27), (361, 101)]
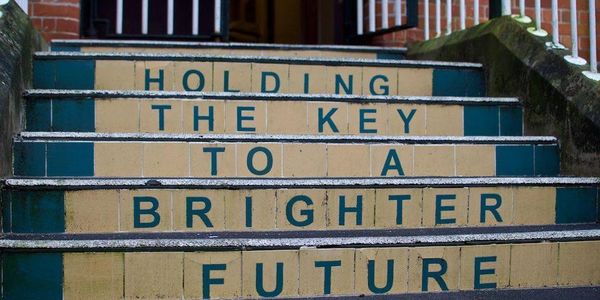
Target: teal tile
[(37, 114), (390, 56), (76, 115), (458, 82), (44, 74), (29, 159), (5, 207), (576, 205), (75, 74), (64, 48), (32, 276), (547, 160), (37, 211), (70, 159), (481, 120), (511, 121), (514, 161)]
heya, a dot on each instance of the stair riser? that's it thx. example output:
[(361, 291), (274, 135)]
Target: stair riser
[(275, 160), (271, 117), (169, 210), (246, 76), (247, 52), (305, 272)]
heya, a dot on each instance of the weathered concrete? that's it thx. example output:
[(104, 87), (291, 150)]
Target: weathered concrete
[(558, 99), (18, 42)]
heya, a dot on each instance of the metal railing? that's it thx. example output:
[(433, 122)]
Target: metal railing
[(503, 7), (409, 7), (118, 19)]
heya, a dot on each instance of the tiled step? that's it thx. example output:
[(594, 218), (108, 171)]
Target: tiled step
[(47, 154), (208, 205), (212, 48), (205, 73), (98, 267), (241, 113)]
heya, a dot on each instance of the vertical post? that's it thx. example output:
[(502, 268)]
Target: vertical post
[(522, 8), (119, 27), (398, 12), (144, 16), (555, 32), (462, 14), (448, 16), (217, 16), (438, 18), (593, 54), (476, 12), (506, 8), (384, 14), (170, 16), (574, 57), (537, 30), (195, 17), (359, 17), (371, 15), (426, 13)]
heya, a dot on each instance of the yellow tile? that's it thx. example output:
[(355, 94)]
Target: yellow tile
[(349, 160), (376, 279), (115, 75), (579, 263), (203, 116), (245, 117), (117, 115), (193, 76), (314, 263), (198, 210), (259, 160), (287, 117), (406, 119), (327, 118), (250, 210), (379, 81), (232, 77), (301, 209), (344, 80), (445, 120), (92, 211), (150, 217), (534, 205), (195, 264), (270, 266), (166, 159), (93, 275), (398, 208), (477, 160), (484, 267), (434, 258), (156, 72), (155, 275), (270, 78), (433, 160), (161, 116), (391, 161), (351, 208), (308, 79), (212, 160), (116, 159), (533, 265), (415, 82), (497, 206), (445, 207), (367, 118), (304, 160)]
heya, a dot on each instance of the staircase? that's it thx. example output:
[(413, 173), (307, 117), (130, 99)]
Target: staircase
[(188, 171)]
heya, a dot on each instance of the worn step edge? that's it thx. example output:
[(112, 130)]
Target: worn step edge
[(108, 94), (258, 59), (200, 45), (259, 183), (299, 242), (266, 138)]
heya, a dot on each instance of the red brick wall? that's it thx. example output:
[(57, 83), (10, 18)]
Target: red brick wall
[(401, 38), (55, 19)]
